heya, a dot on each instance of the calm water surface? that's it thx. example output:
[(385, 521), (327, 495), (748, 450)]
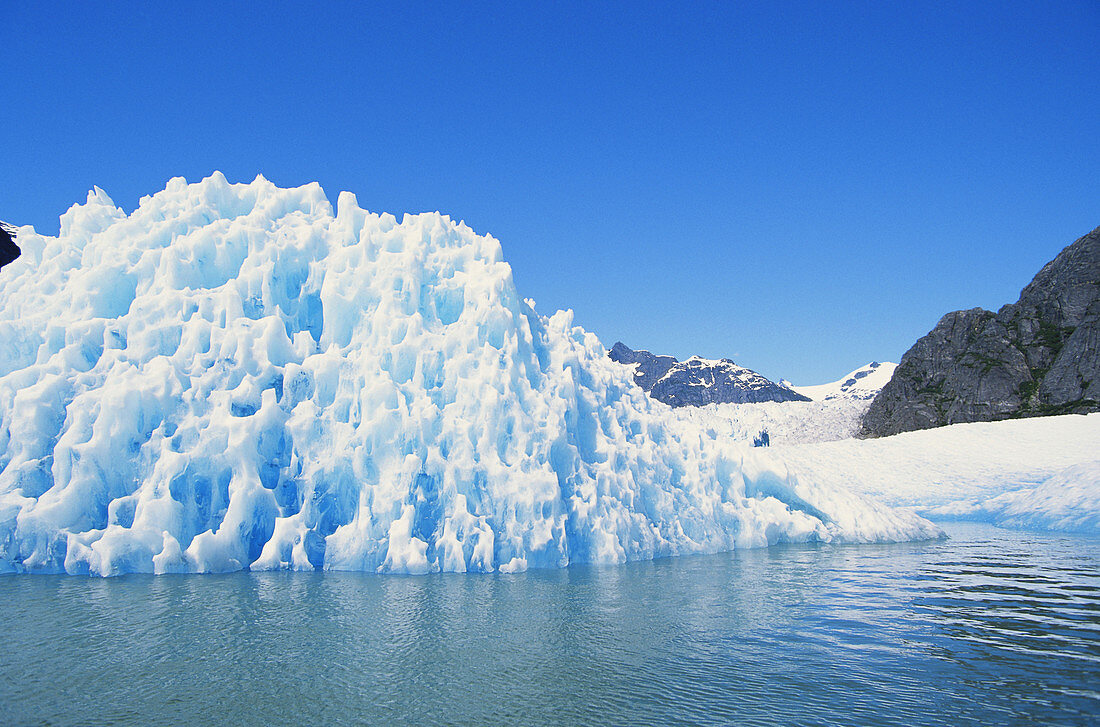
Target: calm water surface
[(990, 627)]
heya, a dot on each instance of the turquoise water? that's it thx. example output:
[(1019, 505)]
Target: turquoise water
[(991, 626)]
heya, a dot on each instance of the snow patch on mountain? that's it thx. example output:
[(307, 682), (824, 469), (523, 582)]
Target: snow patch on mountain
[(862, 384), (698, 381)]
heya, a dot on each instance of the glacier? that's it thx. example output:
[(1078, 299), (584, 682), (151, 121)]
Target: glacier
[(1037, 473), (1067, 501), (234, 376)]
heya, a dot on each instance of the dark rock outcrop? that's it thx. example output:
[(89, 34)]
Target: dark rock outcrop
[(699, 381), (9, 251), (1035, 357), (650, 367)]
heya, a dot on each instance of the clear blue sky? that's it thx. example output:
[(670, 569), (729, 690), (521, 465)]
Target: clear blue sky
[(803, 187)]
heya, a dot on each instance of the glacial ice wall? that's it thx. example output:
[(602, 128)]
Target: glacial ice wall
[(234, 377)]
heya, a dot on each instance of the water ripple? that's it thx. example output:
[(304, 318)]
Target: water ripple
[(989, 627)]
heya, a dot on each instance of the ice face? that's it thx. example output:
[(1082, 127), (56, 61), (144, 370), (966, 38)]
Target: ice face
[(1067, 501), (233, 377)]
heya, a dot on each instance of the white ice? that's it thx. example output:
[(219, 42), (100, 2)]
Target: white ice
[(787, 422), (1039, 473)]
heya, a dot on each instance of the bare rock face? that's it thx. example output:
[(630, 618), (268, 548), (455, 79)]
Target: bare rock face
[(1038, 356), (9, 251), (649, 367), (699, 381)]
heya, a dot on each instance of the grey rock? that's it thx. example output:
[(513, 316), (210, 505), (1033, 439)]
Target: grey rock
[(650, 367), (698, 381), (1038, 356), (9, 251)]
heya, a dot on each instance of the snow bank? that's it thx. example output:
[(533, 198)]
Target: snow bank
[(1036, 473), (234, 377), (1067, 501)]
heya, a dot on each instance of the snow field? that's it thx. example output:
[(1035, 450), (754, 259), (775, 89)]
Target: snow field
[(1039, 473), (787, 422)]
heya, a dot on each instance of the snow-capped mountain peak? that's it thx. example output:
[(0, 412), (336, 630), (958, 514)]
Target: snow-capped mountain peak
[(699, 381), (862, 384)]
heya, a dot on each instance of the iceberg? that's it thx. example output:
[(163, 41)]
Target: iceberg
[(233, 376)]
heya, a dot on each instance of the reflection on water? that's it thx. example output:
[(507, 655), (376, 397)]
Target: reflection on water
[(988, 627)]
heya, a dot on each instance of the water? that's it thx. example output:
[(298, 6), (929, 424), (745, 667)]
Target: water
[(991, 626)]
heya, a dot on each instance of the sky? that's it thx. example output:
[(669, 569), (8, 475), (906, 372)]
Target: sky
[(802, 187)]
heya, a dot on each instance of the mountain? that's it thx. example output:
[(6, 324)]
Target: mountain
[(862, 384), (238, 376), (9, 251), (699, 381), (1038, 356)]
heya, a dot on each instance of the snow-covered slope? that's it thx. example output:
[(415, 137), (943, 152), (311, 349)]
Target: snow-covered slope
[(1068, 500), (232, 376), (863, 384), (1037, 472)]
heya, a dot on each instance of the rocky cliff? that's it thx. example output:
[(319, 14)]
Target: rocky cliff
[(8, 249), (699, 381), (1038, 356)]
